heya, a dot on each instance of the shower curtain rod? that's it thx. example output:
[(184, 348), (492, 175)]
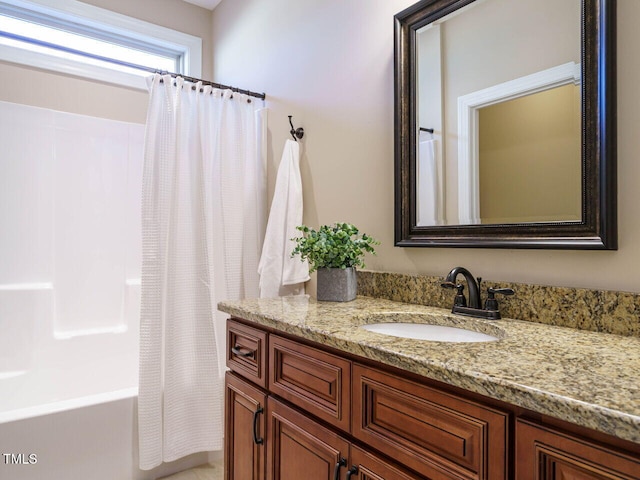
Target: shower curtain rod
[(261, 96)]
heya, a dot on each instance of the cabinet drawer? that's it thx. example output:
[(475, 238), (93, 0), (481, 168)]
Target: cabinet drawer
[(438, 434), (543, 453), (247, 352), (314, 380)]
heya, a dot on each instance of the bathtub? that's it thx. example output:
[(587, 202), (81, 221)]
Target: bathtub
[(70, 419), (70, 297)]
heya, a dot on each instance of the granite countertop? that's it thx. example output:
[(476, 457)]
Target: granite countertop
[(587, 378)]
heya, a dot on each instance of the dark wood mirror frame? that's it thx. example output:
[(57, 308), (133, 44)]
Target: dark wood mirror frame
[(598, 228)]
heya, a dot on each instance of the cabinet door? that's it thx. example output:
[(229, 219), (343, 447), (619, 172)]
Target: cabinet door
[(245, 453), (366, 466), (299, 448), (546, 454)]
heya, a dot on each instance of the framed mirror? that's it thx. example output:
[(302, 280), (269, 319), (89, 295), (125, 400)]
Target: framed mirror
[(505, 124)]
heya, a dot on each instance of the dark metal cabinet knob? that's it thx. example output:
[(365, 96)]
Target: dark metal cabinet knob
[(352, 471)]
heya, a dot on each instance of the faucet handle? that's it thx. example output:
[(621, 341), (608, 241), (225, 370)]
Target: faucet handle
[(460, 300), (491, 303), (501, 291)]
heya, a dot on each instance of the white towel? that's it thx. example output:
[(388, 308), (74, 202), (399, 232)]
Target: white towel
[(280, 273), (429, 186)]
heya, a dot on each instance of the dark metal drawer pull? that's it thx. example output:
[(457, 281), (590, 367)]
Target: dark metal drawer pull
[(336, 473), (248, 354), (352, 471), (256, 440)]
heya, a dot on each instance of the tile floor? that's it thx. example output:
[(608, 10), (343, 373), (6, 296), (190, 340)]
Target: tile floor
[(213, 471)]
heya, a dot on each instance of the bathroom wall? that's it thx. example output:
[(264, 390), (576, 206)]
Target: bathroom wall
[(330, 65), (39, 88)]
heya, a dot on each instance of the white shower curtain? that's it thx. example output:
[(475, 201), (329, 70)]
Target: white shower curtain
[(203, 218)]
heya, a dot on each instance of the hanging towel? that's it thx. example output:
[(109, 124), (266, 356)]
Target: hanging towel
[(430, 191), (280, 273)]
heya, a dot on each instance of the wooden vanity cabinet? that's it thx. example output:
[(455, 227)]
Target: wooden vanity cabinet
[(545, 453), (297, 428), (296, 411)]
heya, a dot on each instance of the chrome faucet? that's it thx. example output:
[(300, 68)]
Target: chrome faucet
[(474, 309)]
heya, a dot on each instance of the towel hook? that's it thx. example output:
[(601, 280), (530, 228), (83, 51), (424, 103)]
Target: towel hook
[(295, 132)]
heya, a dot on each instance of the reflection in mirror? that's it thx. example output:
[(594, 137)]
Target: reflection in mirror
[(529, 157), (515, 155), (505, 125)]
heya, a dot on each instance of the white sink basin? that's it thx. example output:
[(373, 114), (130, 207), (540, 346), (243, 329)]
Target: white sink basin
[(434, 333)]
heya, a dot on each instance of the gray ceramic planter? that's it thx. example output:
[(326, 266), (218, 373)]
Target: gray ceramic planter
[(337, 284)]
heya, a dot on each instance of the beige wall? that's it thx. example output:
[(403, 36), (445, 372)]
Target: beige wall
[(71, 94), (330, 64)]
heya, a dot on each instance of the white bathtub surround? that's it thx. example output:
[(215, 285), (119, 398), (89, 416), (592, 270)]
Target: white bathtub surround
[(204, 193), (70, 216), (70, 296), (280, 273)]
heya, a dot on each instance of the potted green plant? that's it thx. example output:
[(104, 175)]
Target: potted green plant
[(334, 251)]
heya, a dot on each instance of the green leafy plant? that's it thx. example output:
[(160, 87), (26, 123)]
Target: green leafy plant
[(333, 246)]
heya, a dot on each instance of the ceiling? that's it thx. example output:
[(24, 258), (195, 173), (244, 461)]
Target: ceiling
[(209, 4)]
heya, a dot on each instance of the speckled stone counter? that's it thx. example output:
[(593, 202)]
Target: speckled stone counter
[(603, 311), (587, 378)]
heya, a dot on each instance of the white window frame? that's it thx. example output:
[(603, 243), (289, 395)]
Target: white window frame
[(188, 46)]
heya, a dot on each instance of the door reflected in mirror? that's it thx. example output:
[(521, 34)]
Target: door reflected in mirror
[(529, 156), (499, 115)]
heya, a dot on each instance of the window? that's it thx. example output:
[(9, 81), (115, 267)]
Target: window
[(79, 39)]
